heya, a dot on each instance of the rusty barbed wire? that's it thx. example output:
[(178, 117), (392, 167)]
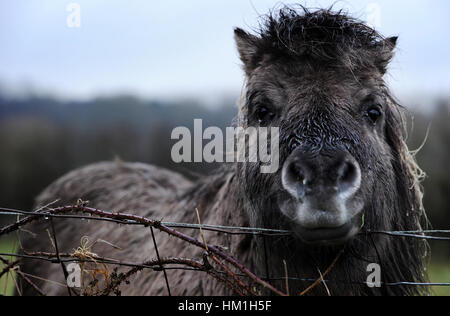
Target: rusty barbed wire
[(231, 278), (215, 252), (232, 230)]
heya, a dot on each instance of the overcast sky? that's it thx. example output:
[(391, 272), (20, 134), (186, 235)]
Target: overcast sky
[(176, 48)]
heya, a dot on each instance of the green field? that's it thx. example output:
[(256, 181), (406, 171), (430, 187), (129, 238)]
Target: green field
[(438, 272), (7, 283)]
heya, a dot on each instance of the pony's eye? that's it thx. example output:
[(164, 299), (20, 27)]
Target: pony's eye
[(374, 114), (264, 115)]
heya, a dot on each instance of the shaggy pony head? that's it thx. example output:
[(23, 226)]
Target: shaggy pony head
[(346, 170)]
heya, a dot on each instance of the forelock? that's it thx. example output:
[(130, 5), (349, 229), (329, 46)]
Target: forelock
[(319, 36)]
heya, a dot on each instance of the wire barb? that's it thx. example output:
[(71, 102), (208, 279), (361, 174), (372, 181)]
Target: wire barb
[(159, 260)]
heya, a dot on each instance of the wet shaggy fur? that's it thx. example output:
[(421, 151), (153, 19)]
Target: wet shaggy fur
[(317, 73)]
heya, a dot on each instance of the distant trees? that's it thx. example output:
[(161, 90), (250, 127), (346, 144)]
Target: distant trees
[(434, 158), (41, 139)]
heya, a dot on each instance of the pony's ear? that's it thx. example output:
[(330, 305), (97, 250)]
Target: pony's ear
[(385, 53), (247, 45)]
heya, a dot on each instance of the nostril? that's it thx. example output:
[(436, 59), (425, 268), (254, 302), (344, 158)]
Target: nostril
[(346, 172), (295, 178), (348, 175), (297, 173)]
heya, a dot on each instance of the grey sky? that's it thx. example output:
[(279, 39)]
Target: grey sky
[(177, 48)]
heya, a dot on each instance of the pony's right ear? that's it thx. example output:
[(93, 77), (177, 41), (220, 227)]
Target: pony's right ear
[(247, 45), (386, 53)]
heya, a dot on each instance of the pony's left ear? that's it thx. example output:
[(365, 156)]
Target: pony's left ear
[(247, 45), (385, 53)]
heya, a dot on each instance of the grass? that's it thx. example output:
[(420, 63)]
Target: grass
[(7, 283), (440, 273)]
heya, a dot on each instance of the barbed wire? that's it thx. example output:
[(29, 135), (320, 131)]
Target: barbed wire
[(422, 234), (230, 277), (155, 266), (213, 251), (233, 230)]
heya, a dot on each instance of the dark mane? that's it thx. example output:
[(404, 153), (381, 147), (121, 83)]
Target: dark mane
[(322, 35)]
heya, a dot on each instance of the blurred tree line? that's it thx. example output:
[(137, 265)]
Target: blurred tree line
[(43, 138), (431, 135)]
